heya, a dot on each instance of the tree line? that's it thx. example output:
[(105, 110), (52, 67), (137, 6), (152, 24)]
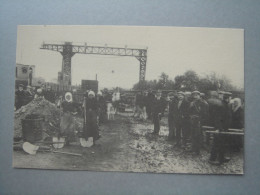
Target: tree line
[(189, 81)]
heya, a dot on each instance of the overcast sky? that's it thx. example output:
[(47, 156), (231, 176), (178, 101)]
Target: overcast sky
[(172, 50)]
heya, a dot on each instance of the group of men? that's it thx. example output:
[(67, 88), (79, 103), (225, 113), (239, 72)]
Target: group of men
[(24, 95), (188, 113)]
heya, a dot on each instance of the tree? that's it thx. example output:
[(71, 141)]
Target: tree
[(189, 81)]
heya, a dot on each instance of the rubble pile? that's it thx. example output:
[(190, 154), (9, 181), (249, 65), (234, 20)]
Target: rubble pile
[(39, 107)]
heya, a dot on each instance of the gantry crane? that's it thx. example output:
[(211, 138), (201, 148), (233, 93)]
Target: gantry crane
[(68, 50)]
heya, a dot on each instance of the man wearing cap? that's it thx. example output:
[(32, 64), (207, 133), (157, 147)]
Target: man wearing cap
[(19, 97), (158, 111), (198, 116), (217, 154), (180, 119)]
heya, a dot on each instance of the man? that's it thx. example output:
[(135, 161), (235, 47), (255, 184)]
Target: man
[(29, 94), (157, 111), (217, 155), (138, 103), (149, 105), (101, 103), (19, 97), (146, 105), (180, 118), (49, 95), (116, 99), (171, 124), (198, 115)]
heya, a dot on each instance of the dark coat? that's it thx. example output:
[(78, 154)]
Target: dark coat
[(150, 98), (50, 96), (91, 104), (180, 113), (226, 116), (20, 99), (68, 106), (199, 108), (158, 106)]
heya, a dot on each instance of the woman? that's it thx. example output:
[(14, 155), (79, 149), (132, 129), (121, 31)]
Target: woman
[(67, 125), (237, 114), (90, 117), (237, 122)]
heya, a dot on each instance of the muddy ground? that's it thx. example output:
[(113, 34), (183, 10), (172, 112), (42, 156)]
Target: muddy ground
[(128, 145)]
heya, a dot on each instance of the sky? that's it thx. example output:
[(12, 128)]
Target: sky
[(172, 50)]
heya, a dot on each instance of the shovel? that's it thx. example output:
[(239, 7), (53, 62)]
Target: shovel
[(86, 143), (58, 142), (32, 149)]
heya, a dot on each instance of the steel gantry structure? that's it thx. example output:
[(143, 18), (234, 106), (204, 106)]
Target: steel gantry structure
[(68, 50)]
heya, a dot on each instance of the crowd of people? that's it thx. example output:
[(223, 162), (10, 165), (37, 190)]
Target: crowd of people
[(23, 95), (187, 113)]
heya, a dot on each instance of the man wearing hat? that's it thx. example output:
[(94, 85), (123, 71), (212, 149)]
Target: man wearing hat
[(198, 116), (19, 97), (158, 111), (217, 154), (180, 119)]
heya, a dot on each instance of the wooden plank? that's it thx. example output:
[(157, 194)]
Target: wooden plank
[(225, 133)]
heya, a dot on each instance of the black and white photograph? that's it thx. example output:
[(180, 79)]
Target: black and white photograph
[(152, 99)]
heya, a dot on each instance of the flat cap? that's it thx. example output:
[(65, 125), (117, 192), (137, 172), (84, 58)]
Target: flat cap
[(181, 93), (195, 92)]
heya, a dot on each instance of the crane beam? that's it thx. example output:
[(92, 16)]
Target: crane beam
[(67, 50)]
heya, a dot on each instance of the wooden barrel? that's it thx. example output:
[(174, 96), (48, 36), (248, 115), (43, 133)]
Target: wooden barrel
[(32, 129)]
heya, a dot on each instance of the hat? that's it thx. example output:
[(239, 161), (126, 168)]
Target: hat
[(99, 93), (91, 93), (21, 85), (171, 94), (180, 93), (227, 94), (159, 91), (195, 92), (28, 86)]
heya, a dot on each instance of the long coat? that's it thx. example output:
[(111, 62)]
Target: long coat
[(90, 118), (179, 113)]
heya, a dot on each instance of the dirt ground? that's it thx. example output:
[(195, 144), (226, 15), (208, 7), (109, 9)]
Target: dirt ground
[(128, 145)]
